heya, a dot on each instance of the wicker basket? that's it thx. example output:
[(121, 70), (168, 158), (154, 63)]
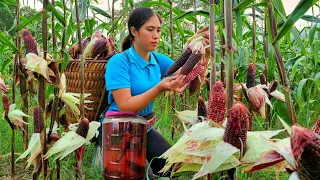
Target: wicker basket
[(94, 83)]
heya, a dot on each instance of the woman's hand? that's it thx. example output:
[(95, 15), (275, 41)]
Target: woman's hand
[(172, 83)]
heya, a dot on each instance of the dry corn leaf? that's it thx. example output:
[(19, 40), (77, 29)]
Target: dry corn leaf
[(278, 95), (38, 65), (15, 114), (283, 147), (294, 176), (187, 116), (268, 159), (34, 149)]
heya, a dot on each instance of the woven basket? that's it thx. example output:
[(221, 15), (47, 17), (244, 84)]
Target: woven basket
[(94, 83)]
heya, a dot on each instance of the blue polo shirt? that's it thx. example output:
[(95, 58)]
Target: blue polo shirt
[(138, 74)]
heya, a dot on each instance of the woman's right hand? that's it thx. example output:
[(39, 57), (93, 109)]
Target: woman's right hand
[(171, 83)]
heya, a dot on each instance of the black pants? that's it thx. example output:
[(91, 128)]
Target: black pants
[(156, 146)]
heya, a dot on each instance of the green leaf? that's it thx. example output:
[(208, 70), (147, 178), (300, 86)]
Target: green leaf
[(299, 92), (242, 4), (7, 42), (312, 32), (193, 13), (66, 60), (311, 18), (100, 11), (297, 37), (296, 14), (58, 15), (27, 21), (10, 2)]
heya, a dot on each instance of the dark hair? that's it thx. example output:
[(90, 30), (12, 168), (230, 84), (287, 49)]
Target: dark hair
[(137, 18)]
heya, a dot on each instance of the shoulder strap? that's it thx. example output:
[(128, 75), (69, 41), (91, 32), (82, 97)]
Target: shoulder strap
[(155, 57)]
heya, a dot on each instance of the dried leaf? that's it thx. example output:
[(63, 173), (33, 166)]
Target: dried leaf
[(268, 159), (38, 65), (34, 148), (16, 114), (187, 116), (278, 95)]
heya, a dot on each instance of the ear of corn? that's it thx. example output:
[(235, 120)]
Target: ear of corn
[(6, 103), (202, 109), (38, 125), (257, 99), (194, 73), (305, 146), (237, 126), (180, 61), (217, 103), (74, 51), (316, 126), (85, 43), (98, 47), (274, 86), (263, 79), (30, 43), (83, 128), (190, 63), (251, 76), (194, 85)]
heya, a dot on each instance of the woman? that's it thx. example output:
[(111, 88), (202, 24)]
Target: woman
[(136, 77)]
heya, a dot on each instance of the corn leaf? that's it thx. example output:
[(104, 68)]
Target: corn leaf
[(299, 92), (283, 147), (93, 126), (311, 18), (65, 145), (7, 42), (28, 21), (187, 116), (268, 159), (222, 152), (297, 13), (16, 114), (99, 11), (34, 147), (294, 176), (312, 32), (242, 4), (10, 2)]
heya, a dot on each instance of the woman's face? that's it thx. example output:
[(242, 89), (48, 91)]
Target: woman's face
[(148, 36)]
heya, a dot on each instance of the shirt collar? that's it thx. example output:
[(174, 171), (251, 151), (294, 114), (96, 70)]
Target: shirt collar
[(139, 60)]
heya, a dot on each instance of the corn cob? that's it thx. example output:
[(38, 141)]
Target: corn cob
[(98, 47), (305, 146), (190, 63), (38, 125), (274, 86), (316, 126), (180, 61), (6, 103), (263, 79), (97, 34), (217, 103), (237, 126), (194, 73), (83, 128), (256, 97), (74, 51), (194, 85), (85, 43), (202, 110), (251, 76), (30, 43)]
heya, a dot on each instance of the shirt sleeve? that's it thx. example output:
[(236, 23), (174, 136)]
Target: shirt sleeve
[(164, 62), (117, 73)]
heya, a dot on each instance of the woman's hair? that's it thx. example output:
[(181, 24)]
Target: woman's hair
[(137, 18)]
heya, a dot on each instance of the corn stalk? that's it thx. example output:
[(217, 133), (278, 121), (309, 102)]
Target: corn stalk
[(223, 42), (254, 51), (229, 26), (213, 73), (280, 65), (265, 48), (173, 125), (41, 92), (79, 171)]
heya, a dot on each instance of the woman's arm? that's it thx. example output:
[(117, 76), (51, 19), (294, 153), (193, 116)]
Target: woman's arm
[(127, 102)]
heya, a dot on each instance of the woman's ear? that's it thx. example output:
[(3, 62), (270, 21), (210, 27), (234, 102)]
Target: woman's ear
[(133, 31)]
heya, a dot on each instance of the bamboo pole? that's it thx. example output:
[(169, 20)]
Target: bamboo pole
[(280, 66), (254, 51), (265, 48), (222, 50)]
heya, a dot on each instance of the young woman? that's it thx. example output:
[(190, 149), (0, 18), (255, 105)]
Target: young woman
[(135, 77)]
